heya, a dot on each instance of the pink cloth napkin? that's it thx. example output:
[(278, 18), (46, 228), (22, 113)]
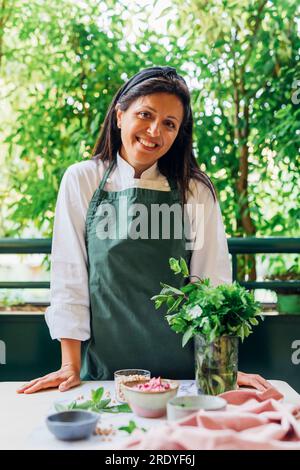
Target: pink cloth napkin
[(252, 420)]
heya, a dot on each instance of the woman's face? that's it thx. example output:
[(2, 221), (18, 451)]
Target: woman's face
[(148, 128)]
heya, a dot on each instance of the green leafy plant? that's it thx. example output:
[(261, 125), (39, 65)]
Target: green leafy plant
[(282, 273), (9, 299), (288, 297), (200, 308), (96, 404), (216, 317)]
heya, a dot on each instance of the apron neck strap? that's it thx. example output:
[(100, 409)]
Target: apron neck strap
[(173, 184), (107, 173)]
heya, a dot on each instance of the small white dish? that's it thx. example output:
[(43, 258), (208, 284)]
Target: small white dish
[(182, 406)]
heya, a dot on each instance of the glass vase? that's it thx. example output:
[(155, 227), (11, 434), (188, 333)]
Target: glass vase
[(216, 364)]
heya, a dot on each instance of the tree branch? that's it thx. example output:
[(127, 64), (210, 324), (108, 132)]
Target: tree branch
[(254, 34)]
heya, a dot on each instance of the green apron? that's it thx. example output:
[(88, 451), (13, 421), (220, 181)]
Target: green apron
[(124, 273)]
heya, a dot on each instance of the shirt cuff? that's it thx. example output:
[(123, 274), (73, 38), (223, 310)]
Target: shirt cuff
[(68, 321)]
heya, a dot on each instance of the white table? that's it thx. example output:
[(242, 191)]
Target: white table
[(22, 417)]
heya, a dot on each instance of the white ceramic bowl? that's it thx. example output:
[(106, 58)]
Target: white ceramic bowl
[(180, 407), (147, 403)]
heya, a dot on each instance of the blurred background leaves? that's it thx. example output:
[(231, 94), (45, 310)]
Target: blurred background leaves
[(63, 61)]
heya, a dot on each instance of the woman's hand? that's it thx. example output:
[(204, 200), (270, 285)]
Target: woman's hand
[(66, 377), (254, 381)]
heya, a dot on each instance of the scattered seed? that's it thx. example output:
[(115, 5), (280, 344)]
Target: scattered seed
[(104, 431)]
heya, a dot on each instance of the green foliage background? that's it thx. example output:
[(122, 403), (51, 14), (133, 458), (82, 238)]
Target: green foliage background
[(62, 62)]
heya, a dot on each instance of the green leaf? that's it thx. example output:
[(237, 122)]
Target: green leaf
[(130, 428), (84, 406), (124, 408), (247, 330), (189, 287), (184, 267), (241, 333), (59, 407), (159, 300), (96, 404), (158, 304), (72, 405), (171, 290), (97, 394), (161, 297), (187, 336), (175, 305), (103, 403), (174, 265), (94, 409)]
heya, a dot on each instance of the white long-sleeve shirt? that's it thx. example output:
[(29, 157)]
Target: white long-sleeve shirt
[(68, 315)]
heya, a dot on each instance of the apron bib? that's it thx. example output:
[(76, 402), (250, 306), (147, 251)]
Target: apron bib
[(127, 331)]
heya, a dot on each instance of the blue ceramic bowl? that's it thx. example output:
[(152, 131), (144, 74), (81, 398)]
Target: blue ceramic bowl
[(72, 425)]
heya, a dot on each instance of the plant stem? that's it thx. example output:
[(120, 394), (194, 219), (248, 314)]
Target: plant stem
[(196, 277)]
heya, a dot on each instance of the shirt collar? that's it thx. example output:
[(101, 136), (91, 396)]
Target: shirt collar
[(127, 170)]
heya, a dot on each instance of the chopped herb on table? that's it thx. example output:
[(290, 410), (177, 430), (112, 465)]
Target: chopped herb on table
[(131, 427), (95, 404)]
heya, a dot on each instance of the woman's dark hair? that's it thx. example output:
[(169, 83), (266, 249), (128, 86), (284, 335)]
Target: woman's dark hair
[(179, 162)]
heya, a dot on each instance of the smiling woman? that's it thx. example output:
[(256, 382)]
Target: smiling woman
[(101, 287), (158, 102), (149, 128)]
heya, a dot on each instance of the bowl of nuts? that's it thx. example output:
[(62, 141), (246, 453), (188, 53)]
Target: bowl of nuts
[(149, 398), (128, 375)]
